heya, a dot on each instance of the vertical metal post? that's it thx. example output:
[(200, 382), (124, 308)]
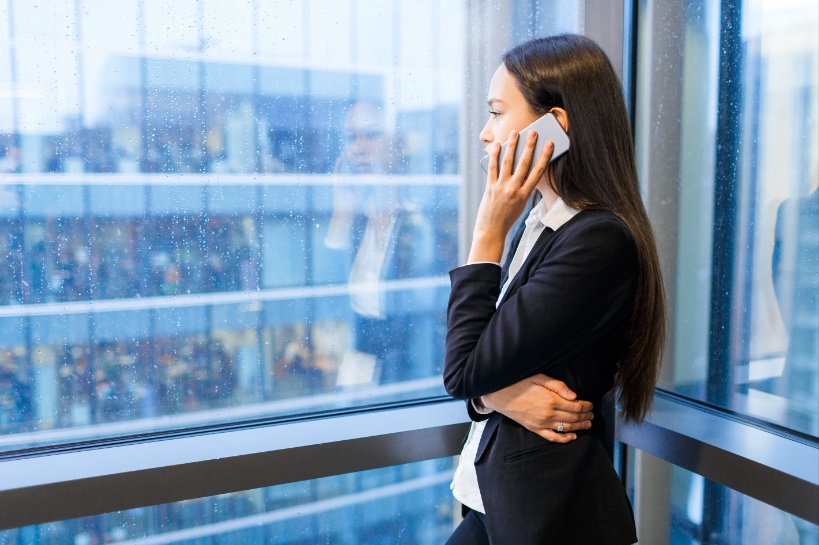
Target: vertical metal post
[(490, 34), (629, 74), (603, 23), (726, 192), (720, 383)]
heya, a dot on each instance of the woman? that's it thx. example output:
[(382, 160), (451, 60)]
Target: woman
[(580, 299)]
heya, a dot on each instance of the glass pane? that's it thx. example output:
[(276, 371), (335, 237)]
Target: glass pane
[(213, 209), (731, 166), (403, 504), (691, 510)]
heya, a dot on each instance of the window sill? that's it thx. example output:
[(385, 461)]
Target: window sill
[(777, 470), (46, 488)]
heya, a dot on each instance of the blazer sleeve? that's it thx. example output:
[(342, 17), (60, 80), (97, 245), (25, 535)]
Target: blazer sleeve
[(582, 288), (473, 414)]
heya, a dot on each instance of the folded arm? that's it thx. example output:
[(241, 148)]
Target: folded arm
[(577, 294), (542, 405)]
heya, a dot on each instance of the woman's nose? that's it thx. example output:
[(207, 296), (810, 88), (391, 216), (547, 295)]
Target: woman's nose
[(486, 135)]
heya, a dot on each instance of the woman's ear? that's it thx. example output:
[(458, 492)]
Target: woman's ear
[(562, 117)]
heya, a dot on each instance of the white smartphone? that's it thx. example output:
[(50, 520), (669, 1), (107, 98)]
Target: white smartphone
[(547, 128)]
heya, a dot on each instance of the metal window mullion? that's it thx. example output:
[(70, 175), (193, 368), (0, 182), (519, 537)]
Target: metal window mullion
[(727, 191)]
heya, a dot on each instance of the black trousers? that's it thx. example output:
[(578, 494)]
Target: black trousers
[(471, 530)]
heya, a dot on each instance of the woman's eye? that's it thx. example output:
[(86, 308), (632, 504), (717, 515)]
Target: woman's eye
[(494, 114)]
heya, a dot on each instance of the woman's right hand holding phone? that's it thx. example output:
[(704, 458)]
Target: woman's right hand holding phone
[(506, 195)]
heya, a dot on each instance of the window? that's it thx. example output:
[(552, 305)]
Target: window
[(222, 211), (218, 217), (689, 517), (405, 504), (729, 150), (727, 121)]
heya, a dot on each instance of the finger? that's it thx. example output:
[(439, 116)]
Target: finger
[(570, 418), (526, 157), (509, 155), (540, 166), (572, 406), (555, 437), (492, 171), (570, 426), (559, 387), (560, 396)]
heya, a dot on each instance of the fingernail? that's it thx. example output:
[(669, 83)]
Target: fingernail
[(550, 144), (573, 436), (591, 417), (532, 135), (513, 134)]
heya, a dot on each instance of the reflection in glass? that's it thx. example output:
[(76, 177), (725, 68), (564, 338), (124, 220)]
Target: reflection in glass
[(796, 283), (693, 518), (733, 163), (198, 224), (402, 504)]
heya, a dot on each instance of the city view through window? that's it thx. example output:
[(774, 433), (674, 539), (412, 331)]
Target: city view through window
[(218, 211), (225, 215), (212, 212)]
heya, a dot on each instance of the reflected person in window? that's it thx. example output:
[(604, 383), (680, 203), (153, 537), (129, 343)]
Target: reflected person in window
[(369, 216), (579, 299), (795, 267)]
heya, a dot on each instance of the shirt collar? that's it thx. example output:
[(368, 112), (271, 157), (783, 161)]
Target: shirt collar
[(554, 217)]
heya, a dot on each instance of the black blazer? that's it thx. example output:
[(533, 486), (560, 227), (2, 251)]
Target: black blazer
[(566, 314)]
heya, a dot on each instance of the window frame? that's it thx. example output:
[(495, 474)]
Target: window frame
[(753, 460), (111, 475), (65, 481), (759, 459)]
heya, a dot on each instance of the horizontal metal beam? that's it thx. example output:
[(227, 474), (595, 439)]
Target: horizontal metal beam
[(777, 470), (41, 489), (195, 300), (19, 445), (216, 180), (772, 468)]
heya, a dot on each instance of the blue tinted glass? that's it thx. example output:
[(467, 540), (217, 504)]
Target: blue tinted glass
[(403, 504), (689, 509), (219, 205), (728, 146)]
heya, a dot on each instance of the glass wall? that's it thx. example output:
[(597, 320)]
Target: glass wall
[(728, 144), (744, 521), (215, 210), (409, 504), (727, 137)]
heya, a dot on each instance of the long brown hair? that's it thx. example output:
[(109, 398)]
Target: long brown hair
[(599, 171)]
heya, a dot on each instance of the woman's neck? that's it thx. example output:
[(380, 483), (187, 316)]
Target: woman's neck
[(548, 194)]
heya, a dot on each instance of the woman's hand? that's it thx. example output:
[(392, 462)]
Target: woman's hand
[(541, 404), (505, 196)]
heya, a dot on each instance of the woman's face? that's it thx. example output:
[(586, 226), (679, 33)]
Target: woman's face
[(366, 142), (508, 109)]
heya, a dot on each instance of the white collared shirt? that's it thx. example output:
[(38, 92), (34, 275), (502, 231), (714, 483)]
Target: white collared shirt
[(465, 481)]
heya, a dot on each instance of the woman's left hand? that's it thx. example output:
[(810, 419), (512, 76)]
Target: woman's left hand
[(543, 405), (505, 196)]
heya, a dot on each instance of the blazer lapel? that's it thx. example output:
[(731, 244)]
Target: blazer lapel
[(487, 436), (510, 254), (544, 239)]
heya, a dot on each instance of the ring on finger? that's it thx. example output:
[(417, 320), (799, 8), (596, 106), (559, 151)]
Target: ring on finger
[(560, 427)]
